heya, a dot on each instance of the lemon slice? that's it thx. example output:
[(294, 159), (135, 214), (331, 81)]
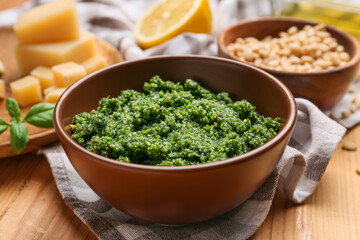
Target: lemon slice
[(168, 18)]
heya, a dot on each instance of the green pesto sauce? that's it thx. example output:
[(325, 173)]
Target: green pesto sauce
[(170, 124)]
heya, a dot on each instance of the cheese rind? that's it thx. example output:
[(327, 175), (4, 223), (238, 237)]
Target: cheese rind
[(50, 54), (45, 75), (54, 95), (67, 73), (51, 22), (93, 64), (26, 91), (2, 89)]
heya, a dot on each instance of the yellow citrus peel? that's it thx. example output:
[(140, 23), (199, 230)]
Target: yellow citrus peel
[(169, 18)]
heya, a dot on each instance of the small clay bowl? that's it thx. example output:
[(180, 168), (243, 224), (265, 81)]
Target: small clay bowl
[(323, 88), (184, 194)]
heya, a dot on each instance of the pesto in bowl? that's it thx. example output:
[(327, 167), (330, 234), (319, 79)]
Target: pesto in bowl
[(170, 124)]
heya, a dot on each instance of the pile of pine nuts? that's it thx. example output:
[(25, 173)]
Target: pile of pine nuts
[(308, 50)]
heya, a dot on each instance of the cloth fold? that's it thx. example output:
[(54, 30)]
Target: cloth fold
[(297, 174)]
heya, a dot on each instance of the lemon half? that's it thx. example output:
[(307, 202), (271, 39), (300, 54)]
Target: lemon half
[(169, 18)]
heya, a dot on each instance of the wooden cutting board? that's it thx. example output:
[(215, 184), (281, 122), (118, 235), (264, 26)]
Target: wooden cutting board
[(38, 137)]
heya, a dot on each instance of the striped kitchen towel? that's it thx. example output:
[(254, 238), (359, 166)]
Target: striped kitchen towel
[(300, 169), (297, 174)]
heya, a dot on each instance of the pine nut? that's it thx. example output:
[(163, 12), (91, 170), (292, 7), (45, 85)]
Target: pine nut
[(349, 145)]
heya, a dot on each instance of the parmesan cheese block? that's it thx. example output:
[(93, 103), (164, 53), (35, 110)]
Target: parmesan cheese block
[(26, 91), (50, 54), (2, 89), (51, 22), (54, 95), (45, 75), (94, 63), (67, 73), (48, 90)]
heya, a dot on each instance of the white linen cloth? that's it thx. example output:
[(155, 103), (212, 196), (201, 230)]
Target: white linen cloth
[(300, 169)]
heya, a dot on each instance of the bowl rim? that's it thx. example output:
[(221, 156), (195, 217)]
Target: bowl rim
[(354, 60), (284, 131)]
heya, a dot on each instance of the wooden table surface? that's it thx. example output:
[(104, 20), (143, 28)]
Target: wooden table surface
[(32, 208)]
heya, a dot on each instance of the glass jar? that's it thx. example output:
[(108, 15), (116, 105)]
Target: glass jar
[(344, 15)]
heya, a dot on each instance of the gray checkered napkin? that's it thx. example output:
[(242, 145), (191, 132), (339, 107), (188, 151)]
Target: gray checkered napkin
[(297, 174)]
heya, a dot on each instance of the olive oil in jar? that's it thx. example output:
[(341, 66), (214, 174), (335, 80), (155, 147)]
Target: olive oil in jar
[(340, 15)]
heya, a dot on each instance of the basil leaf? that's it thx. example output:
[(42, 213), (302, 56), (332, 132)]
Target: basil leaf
[(3, 126), (41, 115), (18, 137), (13, 108)]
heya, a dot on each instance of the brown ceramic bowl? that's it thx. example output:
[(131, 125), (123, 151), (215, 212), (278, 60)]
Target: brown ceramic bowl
[(185, 194), (323, 88)]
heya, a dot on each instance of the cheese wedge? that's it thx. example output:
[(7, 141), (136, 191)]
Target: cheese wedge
[(2, 89), (54, 95), (26, 90), (50, 54), (67, 73), (93, 64), (51, 22), (45, 75)]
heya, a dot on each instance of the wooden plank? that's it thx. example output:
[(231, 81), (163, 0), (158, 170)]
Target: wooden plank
[(14, 175), (30, 204), (332, 212)]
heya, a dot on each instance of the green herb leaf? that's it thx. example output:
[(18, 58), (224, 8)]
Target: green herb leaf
[(41, 115), (13, 108), (18, 136), (3, 126)]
